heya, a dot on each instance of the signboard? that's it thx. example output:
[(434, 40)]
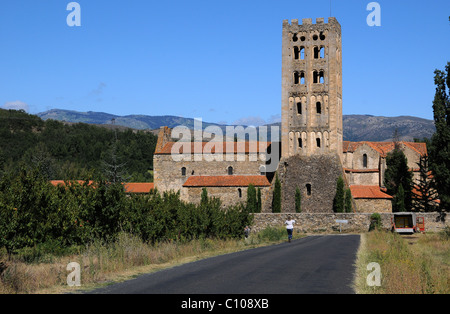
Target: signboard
[(342, 221)]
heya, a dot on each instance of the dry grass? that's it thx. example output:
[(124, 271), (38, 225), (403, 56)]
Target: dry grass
[(105, 263), (418, 264)]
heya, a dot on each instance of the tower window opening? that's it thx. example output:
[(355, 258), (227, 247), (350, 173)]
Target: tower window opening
[(299, 108), (318, 142), (322, 36), (300, 143), (322, 53), (240, 193), (296, 78), (318, 107), (308, 189), (302, 78), (321, 77), (302, 53), (296, 53), (365, 161), (315, 37), (316, 52), (230, 171), (295, 38), (315, 77), (303, 38), (183, 171)]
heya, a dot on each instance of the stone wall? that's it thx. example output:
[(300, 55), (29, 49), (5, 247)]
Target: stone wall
[(358, 222), (319, 173), (228, 195), (365, 205)]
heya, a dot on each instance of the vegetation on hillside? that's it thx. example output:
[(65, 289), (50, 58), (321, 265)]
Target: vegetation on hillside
[(69, 152)]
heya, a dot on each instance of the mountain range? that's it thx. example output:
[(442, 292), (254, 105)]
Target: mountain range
[(356, 127)]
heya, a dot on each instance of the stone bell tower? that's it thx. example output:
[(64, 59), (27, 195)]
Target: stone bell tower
[(311, 88)]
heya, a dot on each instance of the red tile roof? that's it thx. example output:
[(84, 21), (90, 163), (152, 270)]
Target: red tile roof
[(385, 147), (368, 191), (226, 181), (211, 147), (129, 187)]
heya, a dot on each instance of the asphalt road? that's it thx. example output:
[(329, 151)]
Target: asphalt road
[(311, 265)]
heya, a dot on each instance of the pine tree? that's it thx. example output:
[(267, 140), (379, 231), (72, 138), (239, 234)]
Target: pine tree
[(440, 148), (424, 195), (276, 202), (259, 202), (399, 200), (204, 197), (398, 174), (298, 201), (348, 201), (251, 199), (338, 203)]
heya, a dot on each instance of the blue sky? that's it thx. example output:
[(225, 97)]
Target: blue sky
[(218, 60)]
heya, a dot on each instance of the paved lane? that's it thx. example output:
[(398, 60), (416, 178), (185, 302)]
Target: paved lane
[(316, 264)]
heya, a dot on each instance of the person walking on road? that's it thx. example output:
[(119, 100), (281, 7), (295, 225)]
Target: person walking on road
[(290, 227)]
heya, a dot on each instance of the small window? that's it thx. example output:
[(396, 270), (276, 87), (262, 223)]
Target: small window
[(240, 193), (302, 78), (303, 38), (316, 52), (308, 190), (300, 143), (315, 37), (319, 107), (365, 161), (322, 52), (296, 53), (299, 108), (318, 142), (302, 53), (183, 171), (230, 171), (296, 78), (295, 38), (322, 36)]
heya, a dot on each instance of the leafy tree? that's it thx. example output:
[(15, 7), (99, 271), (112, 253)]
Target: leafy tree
[(338, 202), (440, 148), (298, 201), (425, 195), (276, 201), (398, 174)]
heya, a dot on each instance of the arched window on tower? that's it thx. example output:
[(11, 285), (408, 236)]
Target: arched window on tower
[(318, 107), (230, 171), (365, 161), (183, 171), (308, 189)]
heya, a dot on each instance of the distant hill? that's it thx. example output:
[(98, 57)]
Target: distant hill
[(356, 127)]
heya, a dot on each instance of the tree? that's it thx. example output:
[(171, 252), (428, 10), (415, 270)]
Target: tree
[(298, 201), (398, 174), (204, 197), (348, 201), (338, 203), (276, 201), (259, 203), (252, 204), (399, 200), (440, 148), (424, 194)]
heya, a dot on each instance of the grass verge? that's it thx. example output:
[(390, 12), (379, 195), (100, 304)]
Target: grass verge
[(409, 264), (125, 258)]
